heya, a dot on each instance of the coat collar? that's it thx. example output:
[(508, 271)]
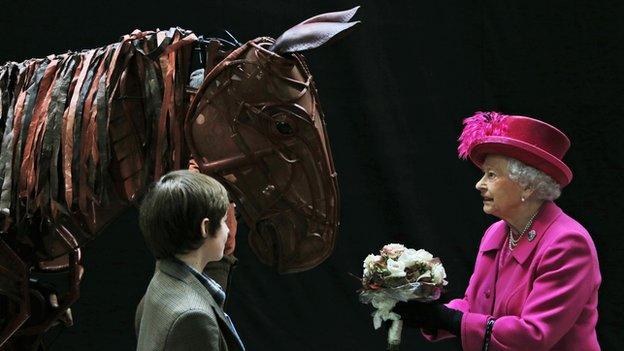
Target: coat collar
[(177, 271), (494, 237), (494, 241)]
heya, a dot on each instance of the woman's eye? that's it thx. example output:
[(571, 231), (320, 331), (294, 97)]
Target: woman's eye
[(491, 174)]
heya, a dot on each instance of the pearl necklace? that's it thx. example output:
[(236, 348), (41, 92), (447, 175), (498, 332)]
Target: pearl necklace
[(513, 242)]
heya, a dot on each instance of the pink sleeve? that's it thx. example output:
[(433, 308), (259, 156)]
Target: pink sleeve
[(564, 282)]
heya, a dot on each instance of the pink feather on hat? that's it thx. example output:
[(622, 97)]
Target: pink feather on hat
[(479, 126)]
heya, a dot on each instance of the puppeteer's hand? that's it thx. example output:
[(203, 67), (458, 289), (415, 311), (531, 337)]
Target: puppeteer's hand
[(429, 315), (232, 224)]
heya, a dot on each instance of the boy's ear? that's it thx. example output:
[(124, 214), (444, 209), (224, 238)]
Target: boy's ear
[(205, 227)]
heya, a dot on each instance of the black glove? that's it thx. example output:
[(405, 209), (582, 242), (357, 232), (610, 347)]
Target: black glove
[(428, 315)]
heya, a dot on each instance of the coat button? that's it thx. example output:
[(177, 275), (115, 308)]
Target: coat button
[(487, 293)]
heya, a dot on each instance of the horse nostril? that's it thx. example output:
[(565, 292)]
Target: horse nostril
[(284, 127)]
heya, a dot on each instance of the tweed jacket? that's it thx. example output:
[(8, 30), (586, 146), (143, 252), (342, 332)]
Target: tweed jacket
[(178, 313), (544, 297)]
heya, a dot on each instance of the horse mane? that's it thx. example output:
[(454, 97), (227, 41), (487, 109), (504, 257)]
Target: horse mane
[(83, 133)]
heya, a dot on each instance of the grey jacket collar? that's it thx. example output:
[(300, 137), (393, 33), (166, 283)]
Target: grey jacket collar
[(179, 272)]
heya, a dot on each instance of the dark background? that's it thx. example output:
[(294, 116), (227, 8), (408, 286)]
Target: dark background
[(394, 94)]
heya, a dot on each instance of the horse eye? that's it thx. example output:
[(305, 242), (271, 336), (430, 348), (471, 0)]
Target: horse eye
[(284, 127)]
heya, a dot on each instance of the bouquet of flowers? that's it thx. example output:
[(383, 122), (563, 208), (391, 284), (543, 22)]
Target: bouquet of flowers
[(399, 274)]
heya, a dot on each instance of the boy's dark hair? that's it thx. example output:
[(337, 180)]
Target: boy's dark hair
[(171, 212)]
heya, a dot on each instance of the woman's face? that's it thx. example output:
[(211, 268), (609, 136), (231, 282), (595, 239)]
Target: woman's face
[(214, 245), (501, 195)]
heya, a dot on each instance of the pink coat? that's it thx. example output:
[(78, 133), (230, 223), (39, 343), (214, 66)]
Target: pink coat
[(546, 294)]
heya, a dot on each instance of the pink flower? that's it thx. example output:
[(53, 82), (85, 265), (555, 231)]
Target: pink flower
[(392, 250)]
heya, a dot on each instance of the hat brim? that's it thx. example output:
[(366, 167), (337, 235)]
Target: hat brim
[(523, 152)]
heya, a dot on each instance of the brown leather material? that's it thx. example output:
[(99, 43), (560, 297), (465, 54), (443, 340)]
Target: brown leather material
[(32, 179), (87, 137), (7, 140), (131, 109), (28, 166), (151, 86), (255, 124), (69, 125), (126, 136), (82, 133), (180, 99), (119, 62), (48, 181), (165, 110), (169, 133), (97, 135), (21, 129), (8, 80)]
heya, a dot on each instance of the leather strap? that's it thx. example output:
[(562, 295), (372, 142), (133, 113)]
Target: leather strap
[(169, 146), (44, 94), (88, 135), (22, 128), (47, 175), (15, 87), (81, 129), (48, 180), (183, 59), (72, 114), (167, 69), (152, 89)]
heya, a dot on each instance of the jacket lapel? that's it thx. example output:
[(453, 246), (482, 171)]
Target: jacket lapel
[(231, 336)]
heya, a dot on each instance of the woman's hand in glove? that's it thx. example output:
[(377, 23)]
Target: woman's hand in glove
[(429, 315)]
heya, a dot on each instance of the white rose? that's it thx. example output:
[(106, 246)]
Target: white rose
[(423, 256), (409, 257), (369, 262), (438, 273), (396, 268), (370, 259)]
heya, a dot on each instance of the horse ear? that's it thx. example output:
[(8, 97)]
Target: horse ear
[(315, 31)]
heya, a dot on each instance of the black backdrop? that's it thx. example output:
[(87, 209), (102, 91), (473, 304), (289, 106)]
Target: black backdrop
[(394, 93)]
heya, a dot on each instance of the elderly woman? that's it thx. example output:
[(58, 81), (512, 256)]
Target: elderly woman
[(536, 277)]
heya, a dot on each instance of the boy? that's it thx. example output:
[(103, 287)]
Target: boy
[(183, 221)]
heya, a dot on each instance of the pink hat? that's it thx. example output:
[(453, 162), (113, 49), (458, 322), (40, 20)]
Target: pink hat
[(526, 139)]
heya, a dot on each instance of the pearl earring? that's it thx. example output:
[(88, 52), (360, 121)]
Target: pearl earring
[(522, 198)]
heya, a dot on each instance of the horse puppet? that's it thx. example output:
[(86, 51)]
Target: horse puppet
[(85, 133)]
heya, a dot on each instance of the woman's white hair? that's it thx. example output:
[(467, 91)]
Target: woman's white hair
[(545, 188)]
